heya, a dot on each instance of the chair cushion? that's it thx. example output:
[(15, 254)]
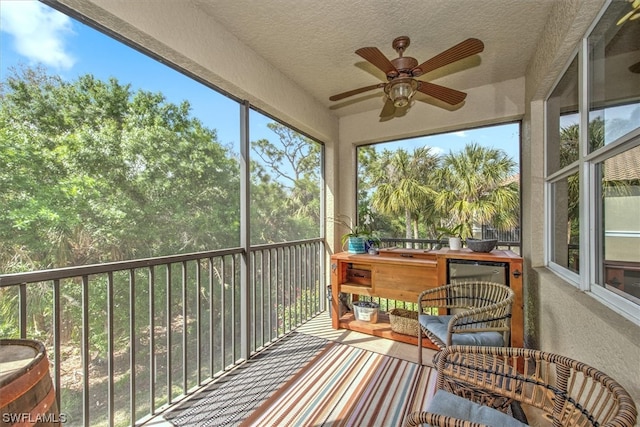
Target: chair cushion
[(438, 326), (426, 319), (450, 405)]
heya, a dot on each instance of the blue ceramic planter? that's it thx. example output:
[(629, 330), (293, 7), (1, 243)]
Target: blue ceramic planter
[(356, 245)]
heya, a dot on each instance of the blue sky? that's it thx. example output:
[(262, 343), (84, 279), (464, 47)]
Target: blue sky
[(33, 33), (504, 137)]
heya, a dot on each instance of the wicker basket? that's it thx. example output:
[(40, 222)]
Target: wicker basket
[(404, 322)]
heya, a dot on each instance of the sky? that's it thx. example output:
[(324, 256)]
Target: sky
[(32, 33), (504, 137), (35, 34)]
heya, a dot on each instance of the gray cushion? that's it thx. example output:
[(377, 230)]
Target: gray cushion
[(450, 405), (426, 319), (438, 326)]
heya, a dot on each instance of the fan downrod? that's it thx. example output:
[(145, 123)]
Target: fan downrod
[(400, 44), (404, 64)]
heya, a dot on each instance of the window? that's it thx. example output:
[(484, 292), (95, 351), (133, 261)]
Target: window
[(565, 250), (285, 182), (110, 155), (408, 190), (563, 122), (562, 154), (619, 205), (593, 165)]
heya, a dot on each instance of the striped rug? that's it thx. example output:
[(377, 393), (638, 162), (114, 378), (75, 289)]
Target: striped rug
[(231, 398), (348, 386)]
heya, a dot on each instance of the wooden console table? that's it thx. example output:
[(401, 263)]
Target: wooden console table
[(401, 274)]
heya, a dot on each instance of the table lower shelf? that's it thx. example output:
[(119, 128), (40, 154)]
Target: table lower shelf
[(381, 329)]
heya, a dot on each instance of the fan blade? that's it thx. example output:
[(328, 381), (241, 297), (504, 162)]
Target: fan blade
[(448, 95), (377, 58), (460, 51), (388, 109), (354, 92)]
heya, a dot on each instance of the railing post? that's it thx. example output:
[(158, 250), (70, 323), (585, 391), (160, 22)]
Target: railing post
[(110, 349), (132, 346), (152, 341), (56, 337), (199, 328), (22, 299), (185, 341), (245, 231), (85, 350), (168, 337)]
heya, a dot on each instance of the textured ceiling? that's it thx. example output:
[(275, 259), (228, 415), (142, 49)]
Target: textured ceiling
[(313, 43)]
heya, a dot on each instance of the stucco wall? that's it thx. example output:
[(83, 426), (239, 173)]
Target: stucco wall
[(577, 325)]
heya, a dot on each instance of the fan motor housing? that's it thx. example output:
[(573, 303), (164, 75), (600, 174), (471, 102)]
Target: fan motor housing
[(404, 65)]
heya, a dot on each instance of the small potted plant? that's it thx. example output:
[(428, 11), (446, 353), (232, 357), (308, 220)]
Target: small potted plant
[(354, 238), (359, 239), (454, 234), (355, 241)]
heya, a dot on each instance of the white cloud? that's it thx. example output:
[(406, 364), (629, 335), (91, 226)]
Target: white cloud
[(461, 134), (38, 32), (436, 150)]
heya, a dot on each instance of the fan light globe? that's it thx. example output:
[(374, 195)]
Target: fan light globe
[(401, 92)]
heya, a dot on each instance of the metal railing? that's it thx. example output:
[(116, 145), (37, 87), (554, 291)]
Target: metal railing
[(426, 244), (512, 235), (128, 339), (429, 244)]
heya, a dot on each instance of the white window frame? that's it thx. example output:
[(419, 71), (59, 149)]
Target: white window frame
[(590, 246)]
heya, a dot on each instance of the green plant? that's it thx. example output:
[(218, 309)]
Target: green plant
[(356, 230), (456, 231)]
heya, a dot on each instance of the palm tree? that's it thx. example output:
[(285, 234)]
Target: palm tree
[(476, 186), (403, 185)]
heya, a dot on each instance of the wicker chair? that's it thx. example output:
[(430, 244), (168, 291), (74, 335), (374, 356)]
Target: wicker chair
[(482, 315), (564, 391)]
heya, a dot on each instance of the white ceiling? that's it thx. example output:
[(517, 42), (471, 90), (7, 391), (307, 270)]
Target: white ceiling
[(313, 42)]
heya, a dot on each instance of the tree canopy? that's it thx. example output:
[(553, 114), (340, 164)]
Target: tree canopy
[(418, 192), (92, 171)]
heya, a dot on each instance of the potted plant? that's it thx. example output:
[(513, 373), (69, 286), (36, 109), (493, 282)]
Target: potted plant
[(359, 238), (454, 234), (355, 241)]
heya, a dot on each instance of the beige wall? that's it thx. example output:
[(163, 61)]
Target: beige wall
[(579, 326), (621, 214)]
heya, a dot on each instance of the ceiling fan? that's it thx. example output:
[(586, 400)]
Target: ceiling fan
[(401, 72)]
